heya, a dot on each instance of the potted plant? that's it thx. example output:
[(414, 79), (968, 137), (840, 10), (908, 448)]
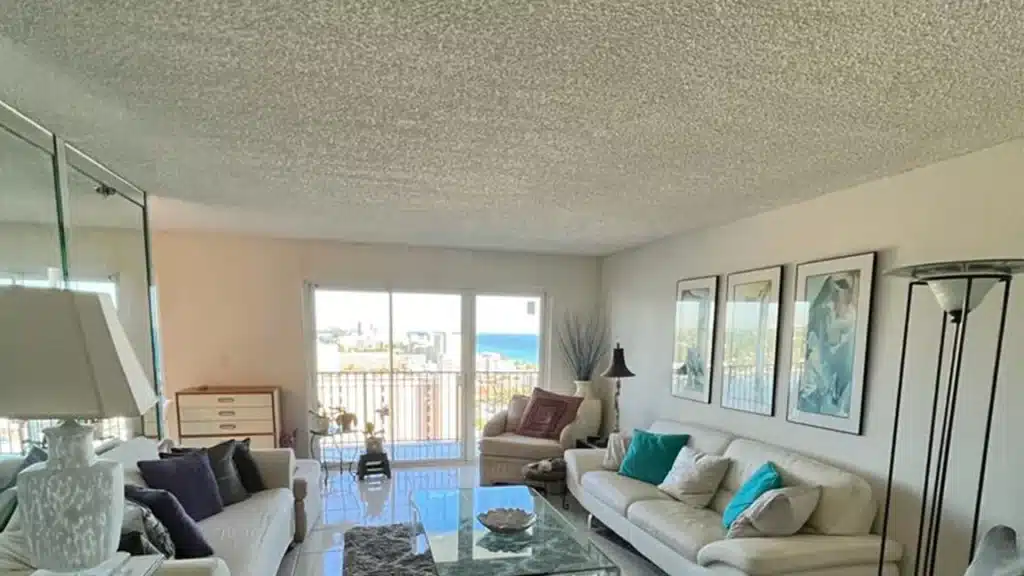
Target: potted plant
[(321, 419), (374, 439), (584, 342), (346, 420)]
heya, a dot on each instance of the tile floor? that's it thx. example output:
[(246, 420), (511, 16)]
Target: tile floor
[(349, 503)]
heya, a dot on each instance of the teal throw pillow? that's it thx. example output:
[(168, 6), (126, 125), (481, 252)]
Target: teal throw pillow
[(650, 456), (764, 479)]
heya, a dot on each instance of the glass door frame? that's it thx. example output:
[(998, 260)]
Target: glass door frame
[(466, 380)]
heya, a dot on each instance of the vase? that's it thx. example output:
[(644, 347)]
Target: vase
[(321, 424), (588, 417), (375, 445)]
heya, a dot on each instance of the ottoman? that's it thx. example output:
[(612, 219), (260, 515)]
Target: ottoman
[(309, 502), (545, 474)]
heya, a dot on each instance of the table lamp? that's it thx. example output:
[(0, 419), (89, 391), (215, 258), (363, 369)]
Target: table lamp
[(65, 355), (618, 370)]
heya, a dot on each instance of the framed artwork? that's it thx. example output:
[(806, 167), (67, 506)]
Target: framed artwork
[(751, 340), (830, 341), (694, 338)]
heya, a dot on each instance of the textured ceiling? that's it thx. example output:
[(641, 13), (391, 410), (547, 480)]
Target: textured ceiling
[(566, 126)]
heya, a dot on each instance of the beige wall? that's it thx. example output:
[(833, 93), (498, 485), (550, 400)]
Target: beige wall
[(965, 207), (232, 307)]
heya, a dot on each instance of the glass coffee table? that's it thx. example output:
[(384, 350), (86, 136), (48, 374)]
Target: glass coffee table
[(461, 546)]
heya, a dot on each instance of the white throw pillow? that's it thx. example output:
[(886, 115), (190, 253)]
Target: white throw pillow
[(779, 512), (618, 444), (694, 477)]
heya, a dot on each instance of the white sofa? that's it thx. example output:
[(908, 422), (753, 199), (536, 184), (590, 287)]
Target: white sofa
[(683, 540), (249, 538)]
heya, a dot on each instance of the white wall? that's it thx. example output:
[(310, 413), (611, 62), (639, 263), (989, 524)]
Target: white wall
[(970, 206), (232, 309)]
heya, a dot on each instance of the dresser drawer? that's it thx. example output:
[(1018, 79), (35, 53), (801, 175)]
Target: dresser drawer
[(255, 442), (228, 427), (222, 400), (226, 413)]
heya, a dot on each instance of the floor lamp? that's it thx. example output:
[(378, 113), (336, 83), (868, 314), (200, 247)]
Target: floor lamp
[(618, 370), (959, 287)]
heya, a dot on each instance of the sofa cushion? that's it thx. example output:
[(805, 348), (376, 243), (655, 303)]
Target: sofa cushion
[(547, 414), (130, 453), (762, 480), (253, 535), (650, 456), (846, 507), (522, 447), (694, 477), (225, 470), (682, 528), (702, 438), (516, 409), (190, 478), (184, 532), (618, 491), (780, 512), (615, 451)]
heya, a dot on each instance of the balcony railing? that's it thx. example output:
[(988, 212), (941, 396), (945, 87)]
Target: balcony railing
[(425, 409)]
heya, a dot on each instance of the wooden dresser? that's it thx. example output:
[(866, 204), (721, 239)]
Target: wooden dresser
[(208, 415)]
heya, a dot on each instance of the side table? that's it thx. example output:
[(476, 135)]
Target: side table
[(593, 442)]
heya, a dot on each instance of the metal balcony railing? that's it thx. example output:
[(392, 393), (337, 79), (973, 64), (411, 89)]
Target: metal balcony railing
[(424, 409)]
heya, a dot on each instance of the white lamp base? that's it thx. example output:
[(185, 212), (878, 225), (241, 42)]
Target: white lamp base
[(71, 505)]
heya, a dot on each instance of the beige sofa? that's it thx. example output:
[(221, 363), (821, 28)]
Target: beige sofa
[(683, 540), (503, 453)]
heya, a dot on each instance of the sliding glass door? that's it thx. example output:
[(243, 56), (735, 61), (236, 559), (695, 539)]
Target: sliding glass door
[(394, 361)]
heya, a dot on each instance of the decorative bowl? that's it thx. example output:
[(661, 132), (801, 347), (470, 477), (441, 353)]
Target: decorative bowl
[(507, 520)]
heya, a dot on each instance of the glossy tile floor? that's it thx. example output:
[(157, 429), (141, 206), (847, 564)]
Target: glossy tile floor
[(349, 503)]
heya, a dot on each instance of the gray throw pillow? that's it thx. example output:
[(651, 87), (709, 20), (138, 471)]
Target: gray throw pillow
[(140, 520), (694, 477), (779, 512), (615, 451), (222, 461)]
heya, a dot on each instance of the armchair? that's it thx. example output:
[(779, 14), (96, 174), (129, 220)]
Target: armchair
[(503, 453)]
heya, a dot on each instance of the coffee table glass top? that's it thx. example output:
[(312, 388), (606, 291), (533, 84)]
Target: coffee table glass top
[(461, 546)]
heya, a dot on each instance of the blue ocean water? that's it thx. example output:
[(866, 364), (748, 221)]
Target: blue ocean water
[(522, 347)]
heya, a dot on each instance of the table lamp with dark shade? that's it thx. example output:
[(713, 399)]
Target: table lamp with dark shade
[(65, 355), (618, 370)]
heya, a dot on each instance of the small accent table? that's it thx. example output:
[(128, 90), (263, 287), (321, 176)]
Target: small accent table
[(370, 464), (336, 437), (593, 442)]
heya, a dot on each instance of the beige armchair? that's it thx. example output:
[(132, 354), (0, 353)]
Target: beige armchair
[(503, 453)]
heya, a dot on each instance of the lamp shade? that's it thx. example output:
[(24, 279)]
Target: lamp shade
[(66, 355), (948, 280), (618, 368)]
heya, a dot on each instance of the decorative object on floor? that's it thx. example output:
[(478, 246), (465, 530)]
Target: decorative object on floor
[(66, 355), (694, 477), (998, 554), (507, 520), (618, 370), (650, 456), (831, 317), (547, 414), (694, 338), (959, 288), (583, 342), (373, 550), (373, 465), (751, 340), (779, 512), (542, 474)]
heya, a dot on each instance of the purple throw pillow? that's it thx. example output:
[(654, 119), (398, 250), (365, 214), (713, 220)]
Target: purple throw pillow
[(190, 478), (183, 530)]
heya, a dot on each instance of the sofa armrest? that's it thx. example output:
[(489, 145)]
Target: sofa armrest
[(568, 436), (579, 461), (496, 425), (799, 553), (194, 567), (277, 466)]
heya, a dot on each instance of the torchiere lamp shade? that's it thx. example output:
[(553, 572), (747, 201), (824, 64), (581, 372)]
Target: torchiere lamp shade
[(66, 355), (618, 368)]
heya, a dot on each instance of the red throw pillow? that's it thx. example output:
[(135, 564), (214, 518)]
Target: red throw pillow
[(548, 414)]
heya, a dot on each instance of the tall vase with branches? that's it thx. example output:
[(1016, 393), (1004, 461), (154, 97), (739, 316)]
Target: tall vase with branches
[(584, 342)]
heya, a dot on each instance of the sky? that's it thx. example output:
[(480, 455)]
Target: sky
[(428, 312)]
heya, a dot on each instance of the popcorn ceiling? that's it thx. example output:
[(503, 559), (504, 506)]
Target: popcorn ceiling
[(564, 126)]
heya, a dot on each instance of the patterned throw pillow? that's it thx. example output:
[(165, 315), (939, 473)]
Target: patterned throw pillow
[(615, 451), (694, 477), (547, 414), (779, 512), (140, 520)]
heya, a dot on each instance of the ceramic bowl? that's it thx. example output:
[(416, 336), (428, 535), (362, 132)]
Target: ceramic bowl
[(507, 520)]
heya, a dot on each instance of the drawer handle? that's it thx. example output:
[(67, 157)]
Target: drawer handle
[(225, 400), (227, 426), (226, 413)]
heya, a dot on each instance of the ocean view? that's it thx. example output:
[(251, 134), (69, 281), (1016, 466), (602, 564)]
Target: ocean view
[(521, 347)]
